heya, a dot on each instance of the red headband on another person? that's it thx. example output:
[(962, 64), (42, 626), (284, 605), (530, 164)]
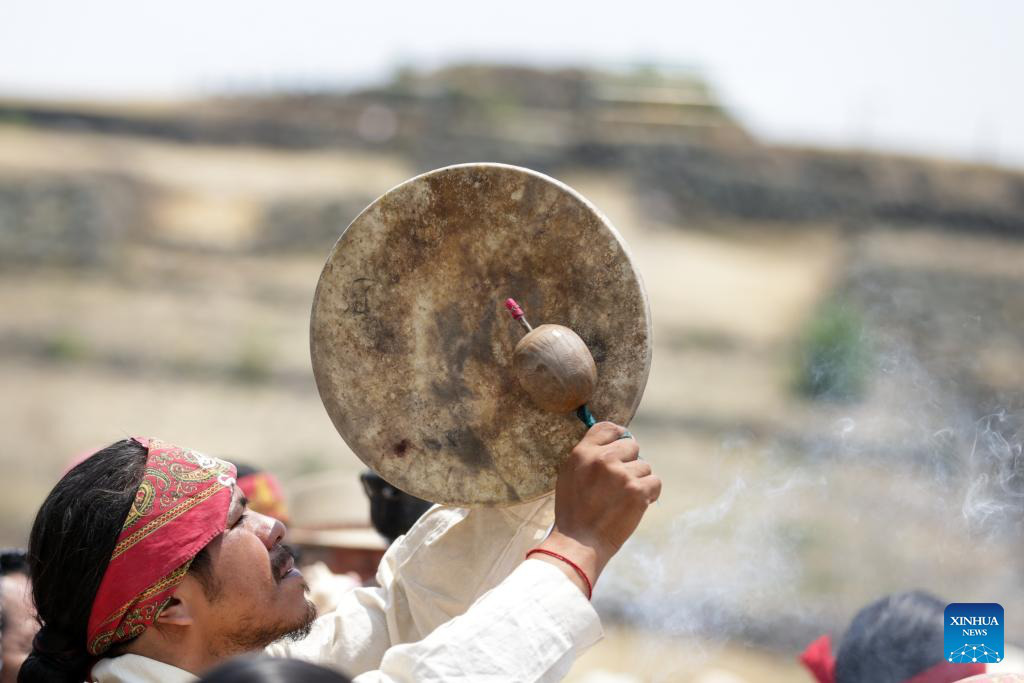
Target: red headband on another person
[(818, 659), (181, 505), (264, 494)]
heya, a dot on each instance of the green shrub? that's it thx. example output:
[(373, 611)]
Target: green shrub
[(64, 346), (834, 355)]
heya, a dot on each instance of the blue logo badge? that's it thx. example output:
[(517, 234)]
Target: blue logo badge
[(974, 632)]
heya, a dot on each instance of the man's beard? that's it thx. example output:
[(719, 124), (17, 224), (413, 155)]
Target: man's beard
[(301, 630), (252, 636)]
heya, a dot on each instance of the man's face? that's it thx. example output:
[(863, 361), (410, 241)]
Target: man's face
[(257, 595)]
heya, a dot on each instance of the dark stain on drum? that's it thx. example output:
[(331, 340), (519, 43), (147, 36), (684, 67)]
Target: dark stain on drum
[(473, 453), (597, 346), (385, 341), (450, 390), (357, 297), (453, 340), (401, 447)]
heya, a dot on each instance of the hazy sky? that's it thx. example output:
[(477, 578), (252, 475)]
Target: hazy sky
[(938, 77)]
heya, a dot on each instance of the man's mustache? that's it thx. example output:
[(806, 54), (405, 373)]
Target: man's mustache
[(280, 554)]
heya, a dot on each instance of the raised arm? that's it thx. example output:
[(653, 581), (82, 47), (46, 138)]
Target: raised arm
[(457, 600), (602, 493)]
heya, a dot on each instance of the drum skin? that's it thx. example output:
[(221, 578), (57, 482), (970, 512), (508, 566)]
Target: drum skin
[(412, 347)]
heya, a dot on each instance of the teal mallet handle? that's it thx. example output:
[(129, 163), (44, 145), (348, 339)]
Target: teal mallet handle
[(584, 414)]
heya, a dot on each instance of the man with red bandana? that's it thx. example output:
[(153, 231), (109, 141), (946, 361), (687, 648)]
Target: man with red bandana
[(148, 567), (896, 639)]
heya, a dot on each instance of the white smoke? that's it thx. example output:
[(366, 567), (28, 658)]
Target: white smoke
[(994, 500), (893, 494)]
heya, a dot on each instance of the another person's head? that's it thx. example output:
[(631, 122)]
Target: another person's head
[(17, 623), (263, 491), (269, 670), (892, 640), (392, 511), (163, 530)]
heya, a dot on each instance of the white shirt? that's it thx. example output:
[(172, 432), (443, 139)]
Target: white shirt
[(456, 602)]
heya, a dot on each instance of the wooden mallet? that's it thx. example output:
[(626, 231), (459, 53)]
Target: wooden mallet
[(555, 368)]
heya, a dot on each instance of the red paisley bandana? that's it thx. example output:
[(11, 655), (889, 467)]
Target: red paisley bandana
[(181, 505), (818, 659)]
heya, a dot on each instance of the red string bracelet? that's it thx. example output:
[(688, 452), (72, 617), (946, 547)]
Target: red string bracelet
[(576, 567)]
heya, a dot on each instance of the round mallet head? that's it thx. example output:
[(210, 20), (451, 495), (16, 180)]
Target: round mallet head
[(554, 366)]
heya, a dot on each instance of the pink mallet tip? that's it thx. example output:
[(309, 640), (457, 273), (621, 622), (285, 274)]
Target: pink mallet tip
[(513, 308)]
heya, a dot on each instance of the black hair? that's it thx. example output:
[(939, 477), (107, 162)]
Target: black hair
[(392, 511), (892, 639), (269, 670), (244, 469), (74, 533)]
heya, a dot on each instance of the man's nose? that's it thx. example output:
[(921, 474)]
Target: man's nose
[(271, 531)]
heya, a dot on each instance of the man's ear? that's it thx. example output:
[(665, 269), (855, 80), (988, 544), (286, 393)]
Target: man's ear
[(182, 607)]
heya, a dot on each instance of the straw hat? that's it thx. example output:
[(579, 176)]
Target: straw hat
[(330, 509)]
